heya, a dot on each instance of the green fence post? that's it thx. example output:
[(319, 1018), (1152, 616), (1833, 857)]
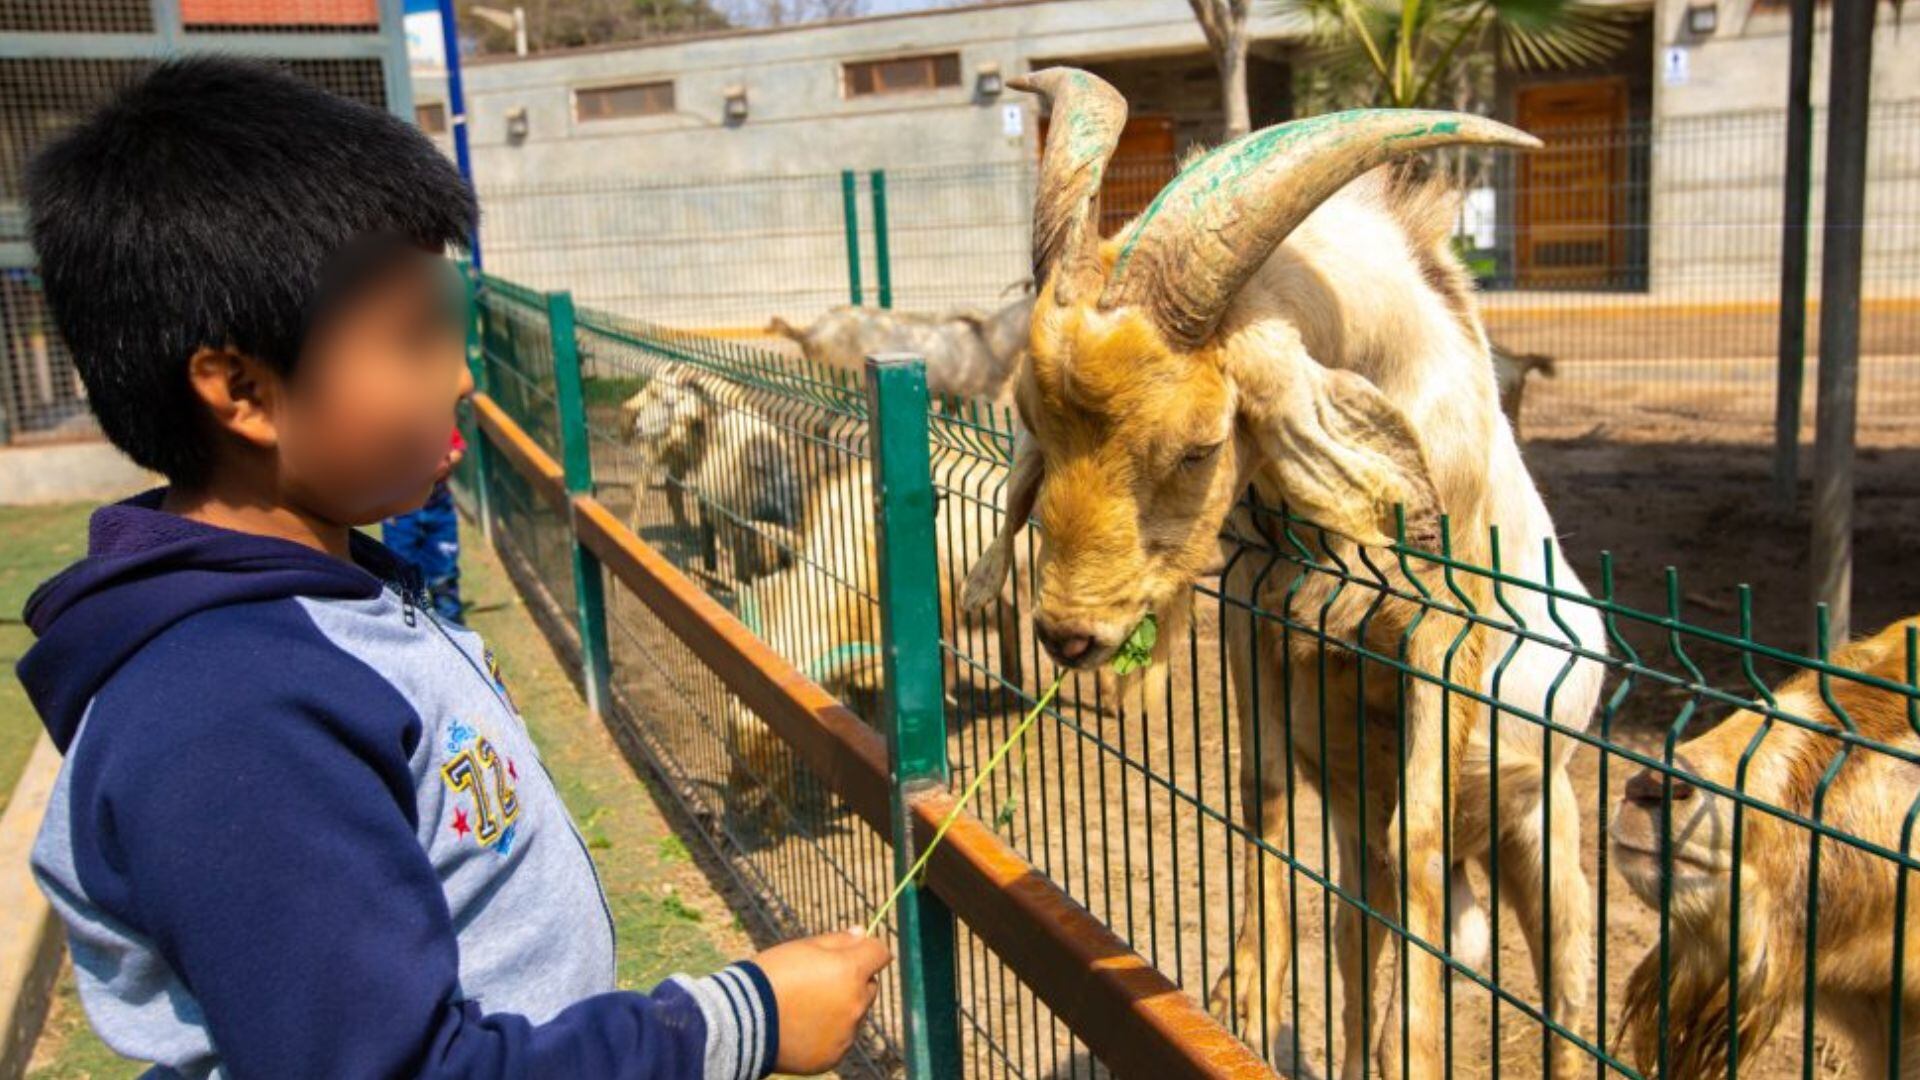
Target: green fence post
[(883, 263), (850, 213), (913, 707), (576, 459), (479, 467)]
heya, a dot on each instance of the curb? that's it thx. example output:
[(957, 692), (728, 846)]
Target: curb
[(30, 940)]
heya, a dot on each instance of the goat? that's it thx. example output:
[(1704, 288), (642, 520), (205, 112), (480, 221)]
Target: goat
[(1510, 371), (818, 614), (1780, 763), (1268, 321), (969, 353), (743, 471)]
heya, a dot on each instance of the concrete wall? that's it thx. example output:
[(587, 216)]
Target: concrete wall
[(799, 121), (1718, 162), (620, 212)]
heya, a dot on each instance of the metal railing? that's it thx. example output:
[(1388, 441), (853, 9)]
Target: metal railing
[(1715, 789)]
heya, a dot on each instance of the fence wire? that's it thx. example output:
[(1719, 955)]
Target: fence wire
[(1678, 799)]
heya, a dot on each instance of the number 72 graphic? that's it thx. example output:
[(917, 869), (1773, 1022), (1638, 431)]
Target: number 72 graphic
[(468, 771)]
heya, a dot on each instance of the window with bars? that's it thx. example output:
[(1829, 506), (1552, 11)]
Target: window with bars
[(91, 17), (900, 74), (624, 101), (431, 117)]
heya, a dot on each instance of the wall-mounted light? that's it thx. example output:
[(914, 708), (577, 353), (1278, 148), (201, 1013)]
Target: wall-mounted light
[(987, 82), (736, 108), (517, 125), (1702, 19)]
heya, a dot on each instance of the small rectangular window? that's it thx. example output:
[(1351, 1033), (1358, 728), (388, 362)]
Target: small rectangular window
[(431, 116), (619, 102), (900, 74)]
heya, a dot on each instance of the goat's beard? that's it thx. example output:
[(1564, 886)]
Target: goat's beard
[(1699, 1012)]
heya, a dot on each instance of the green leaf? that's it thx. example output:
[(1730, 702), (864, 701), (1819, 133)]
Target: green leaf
[(1137, 651)]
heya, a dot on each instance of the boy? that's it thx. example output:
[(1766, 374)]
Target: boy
[(299, 830)]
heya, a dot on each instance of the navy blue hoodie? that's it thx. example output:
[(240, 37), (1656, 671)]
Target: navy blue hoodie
[(301, 831)]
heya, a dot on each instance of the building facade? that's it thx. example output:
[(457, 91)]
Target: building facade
[(1662, 174)]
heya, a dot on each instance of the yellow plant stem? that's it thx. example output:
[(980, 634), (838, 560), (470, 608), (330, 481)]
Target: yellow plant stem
[(966, 796)]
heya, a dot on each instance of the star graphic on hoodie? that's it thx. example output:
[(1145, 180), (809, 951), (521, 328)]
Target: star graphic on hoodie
[(460, 820)]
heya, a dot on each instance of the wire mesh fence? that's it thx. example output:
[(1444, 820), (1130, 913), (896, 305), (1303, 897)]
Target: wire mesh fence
[(1641, 261), (1666, 848)]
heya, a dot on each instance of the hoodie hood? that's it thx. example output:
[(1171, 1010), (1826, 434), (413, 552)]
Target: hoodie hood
[(146, 570)]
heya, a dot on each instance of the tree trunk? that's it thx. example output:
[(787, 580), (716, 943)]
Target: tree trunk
[(1231, 59)]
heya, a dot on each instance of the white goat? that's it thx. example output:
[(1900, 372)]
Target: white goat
[(1260, 325)]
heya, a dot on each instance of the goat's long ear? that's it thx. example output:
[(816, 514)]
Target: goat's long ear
[(1346, 457), (780, 327), (1081, 135), (1023, 487), (1186, 257)]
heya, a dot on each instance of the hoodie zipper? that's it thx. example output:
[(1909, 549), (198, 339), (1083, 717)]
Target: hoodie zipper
[(407, 610)]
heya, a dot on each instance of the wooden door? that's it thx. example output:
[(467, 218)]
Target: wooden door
[(1142, 164), (1571, 199)]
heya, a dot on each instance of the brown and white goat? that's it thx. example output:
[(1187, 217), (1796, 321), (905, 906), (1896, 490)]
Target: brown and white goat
[(1869, 799), (1268, 321)]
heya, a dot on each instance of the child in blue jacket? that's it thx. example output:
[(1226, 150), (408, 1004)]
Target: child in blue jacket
[(300, 830)]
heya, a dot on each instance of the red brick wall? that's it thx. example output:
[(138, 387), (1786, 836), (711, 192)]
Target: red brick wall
[(280, 12)]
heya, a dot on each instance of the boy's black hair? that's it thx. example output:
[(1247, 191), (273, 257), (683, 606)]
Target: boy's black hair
[(201, 208)]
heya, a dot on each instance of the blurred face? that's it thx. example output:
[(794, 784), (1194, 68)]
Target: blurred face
[(364, 422)]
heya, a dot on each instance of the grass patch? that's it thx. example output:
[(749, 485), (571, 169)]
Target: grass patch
[(36, 542)]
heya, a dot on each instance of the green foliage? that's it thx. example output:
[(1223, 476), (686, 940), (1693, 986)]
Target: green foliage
[(1137, 651), (1442, 53)]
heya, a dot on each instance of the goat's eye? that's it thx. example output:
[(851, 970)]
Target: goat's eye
[(1199, 456)]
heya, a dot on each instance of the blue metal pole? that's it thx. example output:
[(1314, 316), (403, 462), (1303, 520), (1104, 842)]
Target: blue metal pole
[(457, 111)]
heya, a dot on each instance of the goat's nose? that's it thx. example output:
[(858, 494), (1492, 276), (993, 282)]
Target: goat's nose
[(1064, 645), (1647, 788)]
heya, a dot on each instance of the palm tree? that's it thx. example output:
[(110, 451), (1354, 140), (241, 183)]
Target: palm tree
[(1439, 53)]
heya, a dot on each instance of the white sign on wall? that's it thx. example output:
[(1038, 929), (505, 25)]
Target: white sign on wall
[(1673, 65), (426, 46), (1013, 120)]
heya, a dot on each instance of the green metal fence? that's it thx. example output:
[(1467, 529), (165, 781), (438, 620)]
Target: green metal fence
[(1760, 803)]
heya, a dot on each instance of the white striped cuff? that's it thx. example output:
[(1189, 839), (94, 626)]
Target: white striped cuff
[(743, 1026)]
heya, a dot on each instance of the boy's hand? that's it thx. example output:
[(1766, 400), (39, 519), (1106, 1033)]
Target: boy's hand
[(822, 986)]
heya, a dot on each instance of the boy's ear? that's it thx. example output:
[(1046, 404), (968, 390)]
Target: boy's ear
[(240, 394)]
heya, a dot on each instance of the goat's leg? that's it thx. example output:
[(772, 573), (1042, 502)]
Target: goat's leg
[(677, 503), (1419, 829), (1558, 937), (1358, 946), (1249, 997)]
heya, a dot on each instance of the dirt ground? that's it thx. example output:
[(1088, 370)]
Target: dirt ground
[(1125, 804)]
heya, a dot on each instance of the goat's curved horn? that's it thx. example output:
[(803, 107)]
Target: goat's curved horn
[(1087, 117), (1218, 221)]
